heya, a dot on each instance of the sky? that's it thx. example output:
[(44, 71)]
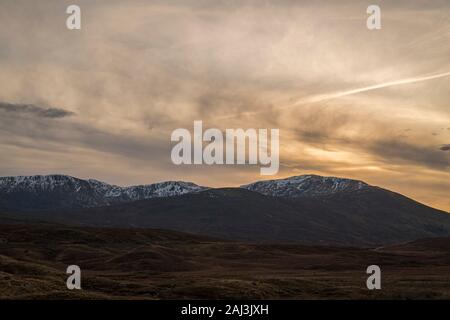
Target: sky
[(101, 102)]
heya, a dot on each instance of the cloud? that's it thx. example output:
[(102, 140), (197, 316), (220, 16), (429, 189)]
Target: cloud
[(445, 147), (31, 109), (232, 65), (401, 152)]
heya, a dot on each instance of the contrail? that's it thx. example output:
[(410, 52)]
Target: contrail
[(325, 97), (331, 96)]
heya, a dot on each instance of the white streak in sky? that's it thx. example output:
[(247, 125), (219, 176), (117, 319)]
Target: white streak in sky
[(331, 96)]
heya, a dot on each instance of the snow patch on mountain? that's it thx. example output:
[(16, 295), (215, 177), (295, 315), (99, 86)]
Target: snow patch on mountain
[(305, 186), (91, 192)]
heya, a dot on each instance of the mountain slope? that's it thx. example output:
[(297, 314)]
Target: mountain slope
[(309, 209), (369, 217), (62, 192)]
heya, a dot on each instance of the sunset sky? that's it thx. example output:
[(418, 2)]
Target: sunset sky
[(101, 102)]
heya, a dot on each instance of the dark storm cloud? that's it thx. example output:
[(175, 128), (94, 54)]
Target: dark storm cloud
[(31, 109), (445, 147), (396, 152), (56, 135)]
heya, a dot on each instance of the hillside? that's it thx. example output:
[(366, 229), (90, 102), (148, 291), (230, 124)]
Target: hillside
[(161, 264)]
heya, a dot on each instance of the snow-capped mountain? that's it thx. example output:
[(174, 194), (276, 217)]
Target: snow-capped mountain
[(62, 191), (310, 209), (306, 186)]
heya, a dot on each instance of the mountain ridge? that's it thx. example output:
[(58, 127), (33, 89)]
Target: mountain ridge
[(308, 209), (306, 186), (372, 218), (86, 193), (41, 192)]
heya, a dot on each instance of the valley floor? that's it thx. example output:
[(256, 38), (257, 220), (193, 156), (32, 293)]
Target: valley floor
[(160, 264)]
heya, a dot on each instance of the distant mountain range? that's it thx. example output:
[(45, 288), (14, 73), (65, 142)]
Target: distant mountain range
[(31, 193), (310, 209)]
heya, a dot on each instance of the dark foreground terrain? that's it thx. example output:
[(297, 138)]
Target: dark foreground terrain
[(159, 264)]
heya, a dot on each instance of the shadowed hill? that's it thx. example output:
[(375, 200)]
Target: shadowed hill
[(366, 217)]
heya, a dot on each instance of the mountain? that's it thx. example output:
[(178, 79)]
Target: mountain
[(65, 192), (308, 209), (61, 192), (368, 217), (306, 186)]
